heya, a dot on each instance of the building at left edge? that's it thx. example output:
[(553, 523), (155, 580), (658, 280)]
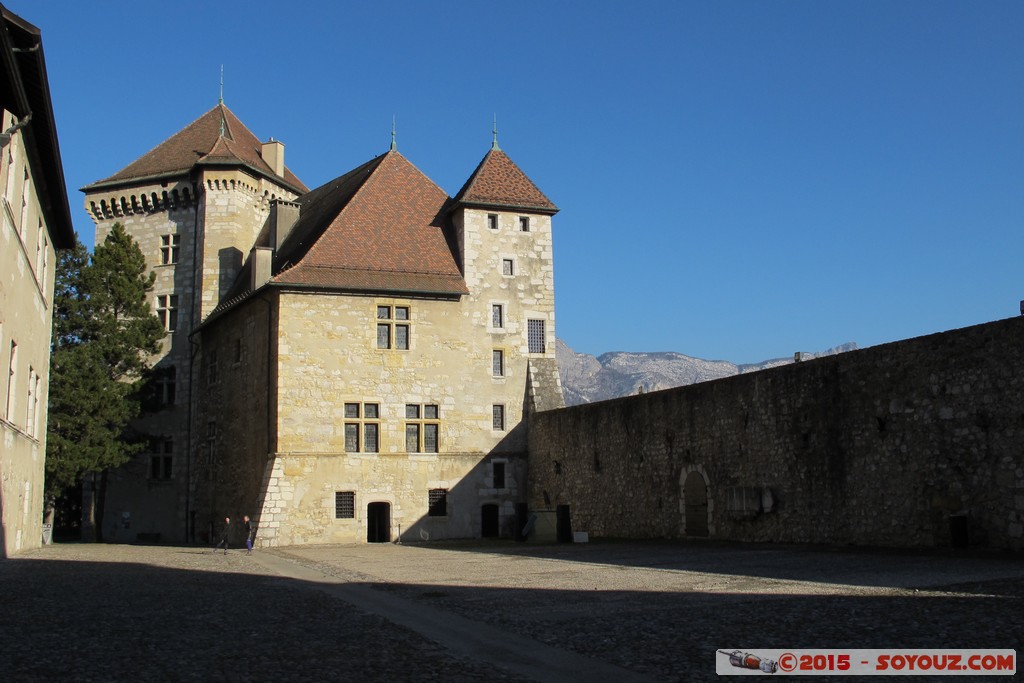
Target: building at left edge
[(36, 221), (352, 363)]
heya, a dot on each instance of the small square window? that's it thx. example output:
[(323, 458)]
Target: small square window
[(401, 312), (383, 313), (351, 410), (412, 411), (437, 503), (344, 505), (524, 223), (492, 221), (371, 411), (507, 266), (430, 412)]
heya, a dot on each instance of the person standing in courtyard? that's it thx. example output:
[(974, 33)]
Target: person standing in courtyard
[(250, 533), (224, 536)]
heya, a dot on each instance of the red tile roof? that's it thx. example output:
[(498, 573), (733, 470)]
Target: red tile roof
[(497, 182), (378, 228), (201, 143)]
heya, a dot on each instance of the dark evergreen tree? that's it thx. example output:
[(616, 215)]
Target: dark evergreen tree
[(103, 333)]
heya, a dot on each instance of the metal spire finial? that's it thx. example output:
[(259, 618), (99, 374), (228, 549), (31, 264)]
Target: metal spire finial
[(394, 144), (494, 142), (221, 100)]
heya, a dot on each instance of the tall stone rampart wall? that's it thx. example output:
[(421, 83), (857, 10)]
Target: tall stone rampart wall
[(913, 443)]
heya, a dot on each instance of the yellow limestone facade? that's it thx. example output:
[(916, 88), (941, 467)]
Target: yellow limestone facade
[(322, 348), (34, 221), (285, 407)]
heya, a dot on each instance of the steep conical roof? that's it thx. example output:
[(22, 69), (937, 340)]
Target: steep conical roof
[(497, 182), (217, 137), (377, 228)]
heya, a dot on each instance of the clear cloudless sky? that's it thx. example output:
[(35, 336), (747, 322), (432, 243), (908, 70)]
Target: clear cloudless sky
[(737, 180)]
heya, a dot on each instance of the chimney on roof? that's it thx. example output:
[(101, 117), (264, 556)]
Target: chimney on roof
[(273, 153), (260, 261), (283, 215)]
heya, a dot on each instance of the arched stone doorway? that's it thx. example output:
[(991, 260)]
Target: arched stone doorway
[(378, 523), (695, 505)]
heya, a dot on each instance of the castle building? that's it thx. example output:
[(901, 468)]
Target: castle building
[(36, 220), (350, 363)]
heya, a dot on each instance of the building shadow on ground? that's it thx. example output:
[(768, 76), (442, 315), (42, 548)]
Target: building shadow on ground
[(215, 619), (220, 619)]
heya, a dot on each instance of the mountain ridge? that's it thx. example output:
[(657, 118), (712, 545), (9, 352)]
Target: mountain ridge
[(586, 378)]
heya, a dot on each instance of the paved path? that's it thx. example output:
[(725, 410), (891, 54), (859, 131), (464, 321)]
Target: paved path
[(481, 612)]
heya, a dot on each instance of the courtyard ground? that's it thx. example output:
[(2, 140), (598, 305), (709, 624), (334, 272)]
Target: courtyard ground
[(482, 611)]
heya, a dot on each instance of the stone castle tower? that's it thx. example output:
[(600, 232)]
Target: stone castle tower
[(194, 204), (348, 363)]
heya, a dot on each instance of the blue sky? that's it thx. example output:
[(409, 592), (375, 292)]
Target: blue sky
[(737, 180)]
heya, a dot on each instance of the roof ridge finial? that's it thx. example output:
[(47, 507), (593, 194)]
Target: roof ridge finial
[(394, 144), (494, 131), (221, 100)]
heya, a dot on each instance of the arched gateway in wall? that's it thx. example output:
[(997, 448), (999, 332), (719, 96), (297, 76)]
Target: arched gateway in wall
[(694, 503)]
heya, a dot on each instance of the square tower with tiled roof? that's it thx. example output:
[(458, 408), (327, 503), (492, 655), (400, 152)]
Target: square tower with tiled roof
[(194, 203)]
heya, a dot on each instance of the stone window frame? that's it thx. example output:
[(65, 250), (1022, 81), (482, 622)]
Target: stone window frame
[(344, 504), (499, 418), (361, 420), (423, 426), (499, 368), (394, 321), (167, 311), (212, 368), (437, 502), (524, 224), (508, 266), (12, 382), (493, 221), (161, 460), (536, 335), (501, 308), (32, 407), (170, 247), (499, 482), (166, 384)]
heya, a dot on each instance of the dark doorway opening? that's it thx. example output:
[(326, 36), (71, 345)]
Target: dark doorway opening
[(489, 527), (695, 493), (378, 523), (522, 517), (563, 524)]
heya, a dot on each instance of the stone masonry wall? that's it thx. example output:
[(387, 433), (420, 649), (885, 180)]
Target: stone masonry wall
[(914, 443)]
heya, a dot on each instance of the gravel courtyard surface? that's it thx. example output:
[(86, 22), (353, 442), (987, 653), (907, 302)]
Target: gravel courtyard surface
[(106, 612)]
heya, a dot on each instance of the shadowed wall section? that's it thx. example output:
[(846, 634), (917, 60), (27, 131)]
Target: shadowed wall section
[(915, 443)]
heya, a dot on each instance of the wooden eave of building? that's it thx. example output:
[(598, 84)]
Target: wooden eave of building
[(26, 92)]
